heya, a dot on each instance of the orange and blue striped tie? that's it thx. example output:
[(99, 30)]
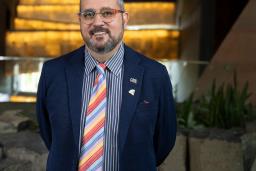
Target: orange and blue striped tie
[(92, 148)]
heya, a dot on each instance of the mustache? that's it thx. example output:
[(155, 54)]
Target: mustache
[(98, 29)]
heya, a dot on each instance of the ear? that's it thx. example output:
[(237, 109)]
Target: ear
[(79, 18), (125, 18)]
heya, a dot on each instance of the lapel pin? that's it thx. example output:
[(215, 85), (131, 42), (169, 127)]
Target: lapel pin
[(132, 92), (133, 80), (146, 102)]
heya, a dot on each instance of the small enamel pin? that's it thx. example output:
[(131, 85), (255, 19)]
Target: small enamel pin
[(132, 92), (146, 102), (133, 80)]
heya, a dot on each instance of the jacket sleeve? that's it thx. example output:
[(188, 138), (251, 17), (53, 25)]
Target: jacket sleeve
[(165, 130), (41, 110)]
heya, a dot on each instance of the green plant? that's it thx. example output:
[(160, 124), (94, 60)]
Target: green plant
[(225, 106), (186, 116)]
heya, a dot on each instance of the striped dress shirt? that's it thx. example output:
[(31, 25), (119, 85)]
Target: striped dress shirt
[(114, 78)]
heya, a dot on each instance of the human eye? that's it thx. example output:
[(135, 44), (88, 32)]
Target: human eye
[(107, 13), (88, 14)]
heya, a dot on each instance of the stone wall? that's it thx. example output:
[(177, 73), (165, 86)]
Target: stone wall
[(21, 148)]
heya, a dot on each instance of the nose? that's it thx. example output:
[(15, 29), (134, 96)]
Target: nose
[(98, 20)]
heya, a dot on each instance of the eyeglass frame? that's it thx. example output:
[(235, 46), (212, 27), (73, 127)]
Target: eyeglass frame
[(100, 13)]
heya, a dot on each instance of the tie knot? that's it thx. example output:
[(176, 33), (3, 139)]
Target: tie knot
[(101, 68)]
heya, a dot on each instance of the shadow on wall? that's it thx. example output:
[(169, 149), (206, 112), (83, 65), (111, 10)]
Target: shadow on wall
[(7, 14)]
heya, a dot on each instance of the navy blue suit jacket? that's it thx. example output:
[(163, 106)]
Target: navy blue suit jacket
[(147, 126)]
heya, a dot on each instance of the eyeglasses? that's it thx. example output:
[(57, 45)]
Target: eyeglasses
[(107, 15)]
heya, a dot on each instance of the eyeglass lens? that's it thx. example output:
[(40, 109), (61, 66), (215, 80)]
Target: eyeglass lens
[(107, 14)]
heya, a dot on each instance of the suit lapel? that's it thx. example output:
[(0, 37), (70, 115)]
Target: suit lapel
[(132, 72), (74, 73)]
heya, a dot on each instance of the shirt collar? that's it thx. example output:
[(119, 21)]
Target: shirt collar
[(90, 62), (114, 64)]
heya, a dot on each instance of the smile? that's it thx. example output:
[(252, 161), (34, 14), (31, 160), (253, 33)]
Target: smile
[(99, 33)]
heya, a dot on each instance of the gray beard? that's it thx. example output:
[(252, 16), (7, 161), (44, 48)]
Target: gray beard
[(107, 47)]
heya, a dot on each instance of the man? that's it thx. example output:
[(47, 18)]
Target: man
[(105, 106)]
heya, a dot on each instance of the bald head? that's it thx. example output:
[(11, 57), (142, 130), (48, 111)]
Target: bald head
[(120, 3)]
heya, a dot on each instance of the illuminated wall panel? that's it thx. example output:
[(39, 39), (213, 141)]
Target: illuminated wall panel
[(28, 24), (51, 30), (44, 43), (158, 44), (140, 13), (60, 13), (151, 13), (153, 43), (23, 99), (39, 25), (42, 2)]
